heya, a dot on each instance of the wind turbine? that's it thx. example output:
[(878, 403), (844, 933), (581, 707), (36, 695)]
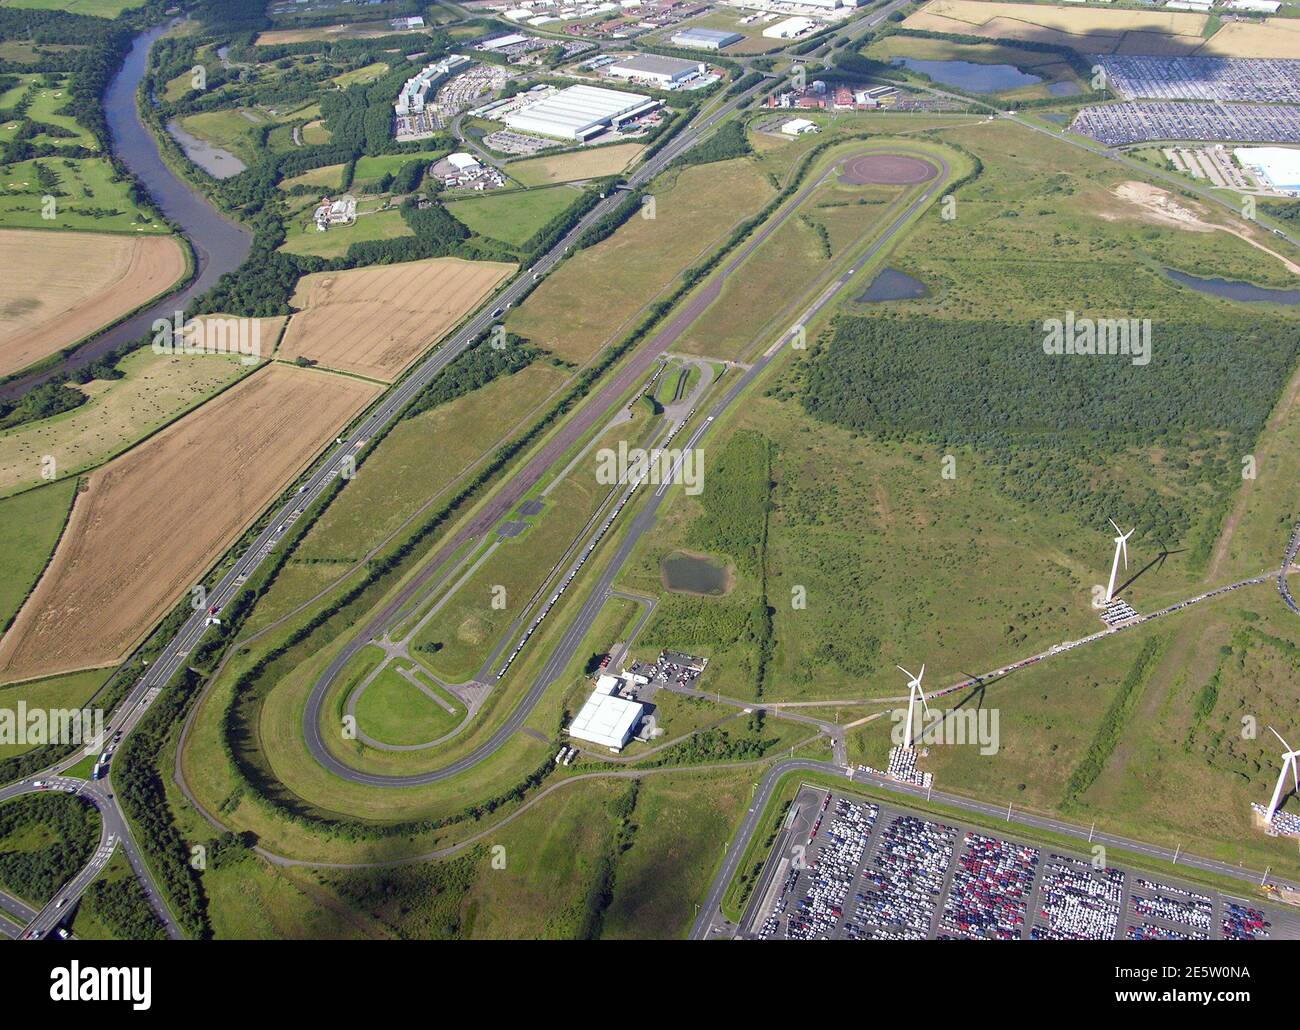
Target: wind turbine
[(1121, 544), (1288, 762), (914, 691)]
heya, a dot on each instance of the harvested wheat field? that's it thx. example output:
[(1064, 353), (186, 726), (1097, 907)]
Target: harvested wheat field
[(376, 321), (1088, 29), (148, 524), (57, 288)]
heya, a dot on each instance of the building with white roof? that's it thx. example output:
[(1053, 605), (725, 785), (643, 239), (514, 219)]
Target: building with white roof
[(662, 71), (503, 41), (706, 39), (789, 28), (607, 719), (579, 112), (1278, 167), (798, 126)]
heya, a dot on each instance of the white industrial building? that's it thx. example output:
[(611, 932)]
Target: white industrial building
[(1279, 167), (798, 126), (607, 719), (662, 71), (1256, 6), (501, 42), (706, 39), (789, 28), (579, 112)]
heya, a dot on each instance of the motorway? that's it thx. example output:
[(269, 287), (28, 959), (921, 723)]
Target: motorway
[(114, 833), (640, 363), (712, 924)]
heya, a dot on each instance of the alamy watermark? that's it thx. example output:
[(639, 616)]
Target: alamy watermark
[(209, 335), (38, 727), (659, 465), (1130, 337), (979, 726)]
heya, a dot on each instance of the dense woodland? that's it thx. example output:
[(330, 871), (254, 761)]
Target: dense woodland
[(1053, 425), (44, 840)]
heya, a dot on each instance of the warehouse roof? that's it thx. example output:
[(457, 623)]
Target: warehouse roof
[(574, 110), (607, 720), (653, 64)]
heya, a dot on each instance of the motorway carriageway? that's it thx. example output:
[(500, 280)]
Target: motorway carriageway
[(637, 367)]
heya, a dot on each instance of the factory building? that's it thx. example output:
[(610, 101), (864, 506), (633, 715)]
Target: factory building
[(651, 68), (1278, 167), (607, 719), (579, 112), (706, 39), (790, 28), (798, 126)]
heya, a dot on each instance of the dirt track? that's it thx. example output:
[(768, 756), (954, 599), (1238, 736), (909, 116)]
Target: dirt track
[(59, 287), (126, 557)]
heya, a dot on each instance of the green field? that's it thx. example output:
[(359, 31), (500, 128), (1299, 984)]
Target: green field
[(394, 711), (95, 8), (155, 390), (71, 690), (327, 177), (33, 522), (229, 129), (372, 169), (87, 197), (695, 209), (513, 217), (305, 238)]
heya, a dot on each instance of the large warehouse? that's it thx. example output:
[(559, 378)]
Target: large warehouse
[(1277, 166), (661, 71), (607, 719), (579, 112), (706, 39)]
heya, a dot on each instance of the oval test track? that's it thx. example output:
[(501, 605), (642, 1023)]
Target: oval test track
[(638, 364)]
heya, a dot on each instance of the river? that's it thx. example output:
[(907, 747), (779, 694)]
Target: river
[(220, 245)]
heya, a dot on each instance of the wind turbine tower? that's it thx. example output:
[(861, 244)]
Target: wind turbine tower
[(1288, 762), (914, 692), (1121, 545)]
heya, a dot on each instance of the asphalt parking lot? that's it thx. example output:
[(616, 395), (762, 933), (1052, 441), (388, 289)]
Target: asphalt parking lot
[(846, 868)]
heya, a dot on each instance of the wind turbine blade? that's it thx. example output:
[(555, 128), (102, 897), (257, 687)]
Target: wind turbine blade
[(904, 672), (1279, 737), (1118, 531), (922, 676), (1295, 774)]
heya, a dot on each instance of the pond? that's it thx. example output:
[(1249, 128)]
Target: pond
[(694, 575), (1234, 289), (218, 163), (891, 284), (967, 75)]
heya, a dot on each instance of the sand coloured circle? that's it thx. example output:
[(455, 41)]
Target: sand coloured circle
[(887, 170)]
